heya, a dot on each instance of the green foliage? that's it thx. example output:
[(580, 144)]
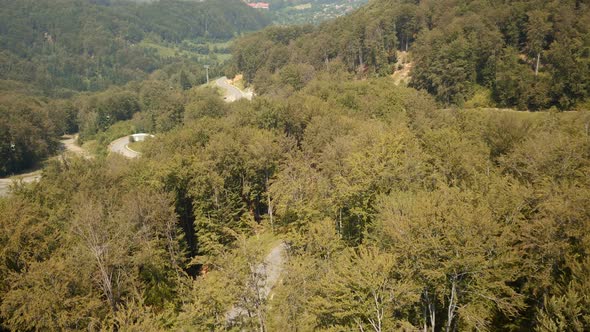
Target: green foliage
[(357, 44), (530, 54), (359, 290), (394, 215), (79, 45), (28, 132), (460, 257), (102, 248)]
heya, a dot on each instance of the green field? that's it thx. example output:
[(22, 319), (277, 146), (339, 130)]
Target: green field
[(201, 51)]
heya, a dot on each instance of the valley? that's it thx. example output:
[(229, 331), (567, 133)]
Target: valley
[(384, 165)]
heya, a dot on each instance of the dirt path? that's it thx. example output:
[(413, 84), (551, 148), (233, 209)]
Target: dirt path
[(403, 68), (69, 145), (269, 271), (5, 183), (271, 268)]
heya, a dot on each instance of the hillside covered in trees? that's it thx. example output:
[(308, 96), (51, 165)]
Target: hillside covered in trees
[(81, 45), (523, 54), (51, 51), (390, 209), (397, 216)]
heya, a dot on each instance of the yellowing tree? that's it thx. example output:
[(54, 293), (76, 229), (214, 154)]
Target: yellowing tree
[(448, 243)]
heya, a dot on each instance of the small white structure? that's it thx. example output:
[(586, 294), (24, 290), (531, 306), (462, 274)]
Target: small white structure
[(139, 137)]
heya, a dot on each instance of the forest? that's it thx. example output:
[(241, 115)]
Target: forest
[(394, 207), (55, 55), (530, 55), (65, 46)]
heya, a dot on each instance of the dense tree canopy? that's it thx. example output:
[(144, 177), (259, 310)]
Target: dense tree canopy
[(28, 132), (57, 49), (397, 215), (393, 213), (525, 54), (82, 45)]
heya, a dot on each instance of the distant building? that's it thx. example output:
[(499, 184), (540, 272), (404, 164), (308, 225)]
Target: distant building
[(259, 5)]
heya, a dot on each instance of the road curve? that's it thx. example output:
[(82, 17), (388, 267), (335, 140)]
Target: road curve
[(120, 146), (231, 93), (5, 183), (68, 145)]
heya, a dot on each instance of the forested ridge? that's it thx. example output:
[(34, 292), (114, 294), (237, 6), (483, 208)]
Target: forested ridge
[(397, 210), (397, 215), (522, 54), (80, 45), (55, 54)]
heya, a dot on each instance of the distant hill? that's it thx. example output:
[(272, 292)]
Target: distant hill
[(310, 11), (90, 44)]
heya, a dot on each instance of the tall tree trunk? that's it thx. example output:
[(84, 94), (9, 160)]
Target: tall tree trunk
[(270, 210), (378, 313), (425, 329), (261, 322), (432, 310), (340, 222), (452, 303), (429, 311), (361, 63), (537, 65)]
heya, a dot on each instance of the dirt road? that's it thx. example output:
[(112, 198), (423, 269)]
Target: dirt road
[(68, 145), (5, 183), (231, 93)]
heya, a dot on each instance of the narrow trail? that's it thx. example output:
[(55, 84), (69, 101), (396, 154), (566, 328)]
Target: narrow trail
[(69, 144), (268, 273), (271, 268)]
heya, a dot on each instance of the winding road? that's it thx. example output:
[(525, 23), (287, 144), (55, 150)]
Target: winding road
[(267, 272), (121, 147), (5, 183), (231, 93)]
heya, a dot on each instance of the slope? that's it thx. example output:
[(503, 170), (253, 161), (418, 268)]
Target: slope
[(525, 54), (83, 45)]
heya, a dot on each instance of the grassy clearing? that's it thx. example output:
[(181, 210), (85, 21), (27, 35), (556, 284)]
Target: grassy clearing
[(163, 51), (188, 50), (137, 146)]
